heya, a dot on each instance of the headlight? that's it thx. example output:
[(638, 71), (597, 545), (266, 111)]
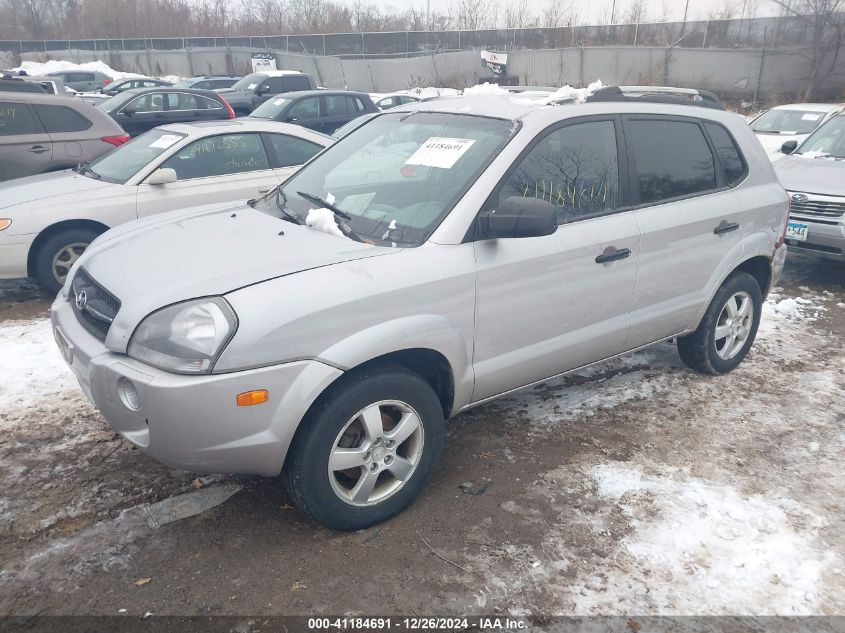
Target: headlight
[(185, 338)]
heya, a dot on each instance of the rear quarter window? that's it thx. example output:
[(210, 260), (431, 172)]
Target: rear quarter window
[(61, 118), (17, 119), (672, 158), (729, 155)]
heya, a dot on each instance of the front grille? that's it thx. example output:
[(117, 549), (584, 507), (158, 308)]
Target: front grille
[(821, 208), (94, 306)]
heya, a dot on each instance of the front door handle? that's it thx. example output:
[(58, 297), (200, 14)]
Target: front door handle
[(39, 149), (725, 227), (611, 254)]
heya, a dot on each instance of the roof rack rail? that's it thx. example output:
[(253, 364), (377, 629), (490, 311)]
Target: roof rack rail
[(657, 94)]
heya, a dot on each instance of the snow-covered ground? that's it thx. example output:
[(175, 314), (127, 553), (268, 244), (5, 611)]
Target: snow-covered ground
[(55, 65)]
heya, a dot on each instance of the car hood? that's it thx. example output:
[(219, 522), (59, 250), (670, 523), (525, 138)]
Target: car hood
[(204, 251), (65, 183), (812, 175)]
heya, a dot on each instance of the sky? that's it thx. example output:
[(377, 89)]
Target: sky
[(590, 10)]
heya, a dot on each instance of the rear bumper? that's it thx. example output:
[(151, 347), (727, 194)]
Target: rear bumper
[(825, 238), (193, 422)]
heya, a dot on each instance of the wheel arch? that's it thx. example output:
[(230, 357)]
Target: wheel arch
[(55, 229)]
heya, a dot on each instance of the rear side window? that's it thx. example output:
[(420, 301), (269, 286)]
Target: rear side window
[(202, 85), (308, 108), (355, 104), (61, 118), (672, 159), (335, 105), (17, 118), (288, 151), (727, 151)]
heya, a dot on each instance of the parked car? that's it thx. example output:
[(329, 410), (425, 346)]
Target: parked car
[(18, 84), (385, 102), (51, 219), (402, 97), (321, 110), (793, 122), (354, 124), (250, 92), (42, 132), (814, 177), (207, 82), (134, 82), (325, 332), (142, 109), (82, 80)]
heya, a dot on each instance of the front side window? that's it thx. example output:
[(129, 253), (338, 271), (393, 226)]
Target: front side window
[(120, 164), (308, 108), (61, 118), (293, 83), (781, 121), (289, 151), (219, 156), (17, 119), (576, 168), (727, 151), (398, 176), (826, 142), (250, 82), (672, 158), (152, 102)]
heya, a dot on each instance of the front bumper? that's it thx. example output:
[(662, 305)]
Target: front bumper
[(193, 422), (825, 237)]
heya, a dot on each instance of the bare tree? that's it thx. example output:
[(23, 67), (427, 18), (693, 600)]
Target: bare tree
[(824, 19)]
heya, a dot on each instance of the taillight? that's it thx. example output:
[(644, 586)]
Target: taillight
[(107, 81), (228, 107), (116, 140)]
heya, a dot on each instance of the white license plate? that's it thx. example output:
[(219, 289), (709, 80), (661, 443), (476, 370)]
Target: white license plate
[(796, 231), (64, 346)]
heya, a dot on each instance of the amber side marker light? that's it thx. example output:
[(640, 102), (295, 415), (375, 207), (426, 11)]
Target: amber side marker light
[(5, 223), (249, 398)]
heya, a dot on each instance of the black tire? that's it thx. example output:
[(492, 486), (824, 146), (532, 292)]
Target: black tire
[(43, 264), (306, 471), (699, 349)]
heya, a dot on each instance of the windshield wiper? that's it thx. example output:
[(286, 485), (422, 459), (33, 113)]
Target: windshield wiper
[(340, 215), (83, 168)]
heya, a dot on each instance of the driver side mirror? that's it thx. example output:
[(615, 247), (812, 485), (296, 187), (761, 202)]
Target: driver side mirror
[(163, 176), (788, 147), (518, 217), (261, 90)]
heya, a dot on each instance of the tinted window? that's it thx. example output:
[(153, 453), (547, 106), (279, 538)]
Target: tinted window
[(219, 155), (273, 85), (152, 102), (388, 102), (355, 104), (80, 77), (61, 118), (305, 109), (574, 167), (672, 159), (290, 150), (335, 105), (296, 82), (222, 83), (727, 152), (17, 118), (148, 84), (202, 85)]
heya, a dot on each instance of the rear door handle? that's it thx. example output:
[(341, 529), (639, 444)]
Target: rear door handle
[(39, 149), (725, 227), (611, 254)]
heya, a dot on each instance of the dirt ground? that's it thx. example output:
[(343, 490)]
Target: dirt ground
[(635, 487)]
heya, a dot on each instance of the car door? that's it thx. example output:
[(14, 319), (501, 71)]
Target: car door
[(69, 132), (287, 153), (688, 214), (142, 113), (337, 112), (225, 167), (25, 147), (306, 112), (546, 305)]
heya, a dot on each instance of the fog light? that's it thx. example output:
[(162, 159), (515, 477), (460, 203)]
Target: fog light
[(128, 394), (249, 398)]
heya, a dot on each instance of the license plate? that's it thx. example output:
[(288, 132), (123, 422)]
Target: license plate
[(796, 231), (64, 346)]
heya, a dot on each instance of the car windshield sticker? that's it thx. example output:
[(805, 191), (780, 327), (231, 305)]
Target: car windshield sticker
[(251, 86), (165, 141), (811, 117), (279, 101), (440, 152)]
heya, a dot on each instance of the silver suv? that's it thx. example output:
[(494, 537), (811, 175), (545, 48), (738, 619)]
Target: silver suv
[(437, 257)]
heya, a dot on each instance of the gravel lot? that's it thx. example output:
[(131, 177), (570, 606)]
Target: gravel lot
[(634, 487)]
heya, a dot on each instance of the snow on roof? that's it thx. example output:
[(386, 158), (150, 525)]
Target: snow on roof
[(809, 107), (278, 73)]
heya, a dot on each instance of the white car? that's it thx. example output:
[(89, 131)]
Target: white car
[(793, 122), (47, 221)]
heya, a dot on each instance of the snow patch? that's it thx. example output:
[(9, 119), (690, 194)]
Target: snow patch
[(55, 65), (323, 220)]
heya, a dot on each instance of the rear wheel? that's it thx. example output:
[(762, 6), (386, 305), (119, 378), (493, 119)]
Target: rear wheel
[(56, 256), (367, 449), (728, 329)]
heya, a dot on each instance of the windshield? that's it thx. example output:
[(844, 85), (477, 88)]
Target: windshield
[(828, 141), (117, 101), (354, 124), (270, 109), (777, 121), (397, 177), (120, 164), (250, 82)]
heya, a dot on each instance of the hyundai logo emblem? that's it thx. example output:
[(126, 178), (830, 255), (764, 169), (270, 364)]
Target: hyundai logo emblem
[(800, 197), (81, 299)]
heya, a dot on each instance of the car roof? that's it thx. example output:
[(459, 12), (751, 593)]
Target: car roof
[(295, 94), (811, 107), (245, 124), (277, 73), (141, 91), (46, 97), (201, 77)]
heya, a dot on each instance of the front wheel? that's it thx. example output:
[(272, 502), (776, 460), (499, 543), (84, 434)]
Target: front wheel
[(728, 328), (367, 449), (55, 257)]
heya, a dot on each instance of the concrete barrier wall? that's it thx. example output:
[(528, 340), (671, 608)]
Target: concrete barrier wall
[(731, 72)]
